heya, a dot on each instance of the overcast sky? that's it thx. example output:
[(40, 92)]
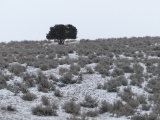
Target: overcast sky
[(31, 19)]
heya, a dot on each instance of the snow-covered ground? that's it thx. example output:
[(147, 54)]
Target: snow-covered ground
[(73, 92)]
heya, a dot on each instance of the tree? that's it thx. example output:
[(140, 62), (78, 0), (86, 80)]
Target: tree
[(62, 32)]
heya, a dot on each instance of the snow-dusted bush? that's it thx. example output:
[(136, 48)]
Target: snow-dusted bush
[(29, 96), (127, 95), (17, 69), (103, 68), (45, 100), (3, 64), (46, 64), (74, 69), (72, 107), (63, 70), (23, 87), (53, 78), (138, 68), (44, 111), (13, 88), (67, 78), (142, 99), (117, 72), (111, 85), (10, 108), (121, 109), (58, 93), (3, 80), (73, 118), (136, 79), (92, 113), (90, 102), (67, 60), (151, 116), (127, 69), (89, 70), (42, 89), (123, 81), (146, 107), (134, 103), (105, 107), (43, 83), (61, 51), (154, 85), (82, 61)]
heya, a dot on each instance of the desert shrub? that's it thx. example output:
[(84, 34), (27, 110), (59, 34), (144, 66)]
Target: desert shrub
[(154, 85), (83, 117), (105, 107), (156, 107), (127, 95), (142, 99), (44, 84), (89, 102), (67, 60), (133, 103), (53, 78), (111, 85), (3, 80), (139, 117), (136, 79), (3, 64), (17, 69), (23, 87), (92, 113), (58, 93), (103, 68), (122, 80), (61, 51), (29, 80), (121, 109), (10, 108), (29, 96), (146, 107), (73, 118), (82, 61), (63, 70), (154, 97), (89, 70), (117, 72), (13, 88), (46, 64), (42, 89), (74, 69), (51, 55), (99, 86), (44, 111), (138, 68), (151, 116), (72, 107), (67, 78), (152, 69), (127, 69), (80, 78), (45, 100)]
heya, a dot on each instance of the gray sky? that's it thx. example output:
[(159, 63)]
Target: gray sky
[(31, 19)]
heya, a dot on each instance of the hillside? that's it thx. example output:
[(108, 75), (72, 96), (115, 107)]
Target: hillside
[(103, 79)]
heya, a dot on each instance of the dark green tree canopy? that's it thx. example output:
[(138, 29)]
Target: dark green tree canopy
[(62, 32)]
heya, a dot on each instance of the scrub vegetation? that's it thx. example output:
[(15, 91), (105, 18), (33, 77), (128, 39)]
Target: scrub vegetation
[(81, 80)]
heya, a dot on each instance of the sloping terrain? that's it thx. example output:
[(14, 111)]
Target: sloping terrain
[(104, 79)]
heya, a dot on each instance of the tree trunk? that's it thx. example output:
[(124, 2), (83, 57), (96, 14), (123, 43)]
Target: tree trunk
[(61, 42)]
